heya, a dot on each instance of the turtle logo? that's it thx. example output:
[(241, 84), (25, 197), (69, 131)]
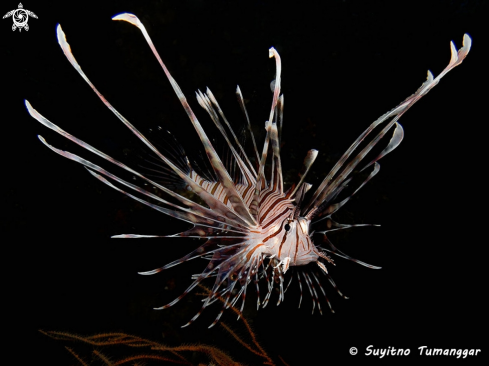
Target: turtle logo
[(20, 17)]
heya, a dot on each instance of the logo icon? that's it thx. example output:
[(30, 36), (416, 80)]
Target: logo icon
[(20, 17)]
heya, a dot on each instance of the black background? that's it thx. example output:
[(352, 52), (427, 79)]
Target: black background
[(344, 64)]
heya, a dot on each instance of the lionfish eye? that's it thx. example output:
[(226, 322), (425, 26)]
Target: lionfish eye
[(287, 227)]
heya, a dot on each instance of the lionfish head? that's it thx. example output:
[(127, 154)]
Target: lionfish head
[(255, 229)]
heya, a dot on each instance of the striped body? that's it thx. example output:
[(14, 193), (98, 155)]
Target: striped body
[(276, 211), (254, 227), (217, 190)]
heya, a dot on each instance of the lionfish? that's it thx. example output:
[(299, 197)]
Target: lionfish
[(254, 228)]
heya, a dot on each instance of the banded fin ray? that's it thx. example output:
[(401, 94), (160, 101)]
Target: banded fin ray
[(213, 203), (306, 165), (241, 102), (205, 103), (239, 207), (221, 113), (187, 214), (325, 187), (189, 203)]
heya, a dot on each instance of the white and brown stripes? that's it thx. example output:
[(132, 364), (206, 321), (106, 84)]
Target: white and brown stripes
[(254, 229)]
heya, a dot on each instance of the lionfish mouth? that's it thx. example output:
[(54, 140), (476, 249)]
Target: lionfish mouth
[(254, 228)]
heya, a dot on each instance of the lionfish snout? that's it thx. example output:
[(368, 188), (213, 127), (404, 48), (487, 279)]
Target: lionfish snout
[(255, 227), (291, 243)]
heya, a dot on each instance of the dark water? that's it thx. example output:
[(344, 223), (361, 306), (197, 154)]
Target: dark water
[(344, 64)]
